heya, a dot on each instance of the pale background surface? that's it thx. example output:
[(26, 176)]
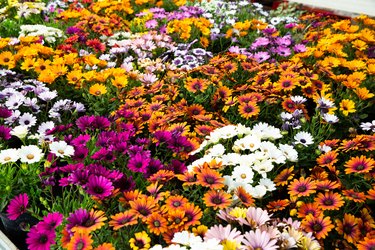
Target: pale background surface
[(342, 7)]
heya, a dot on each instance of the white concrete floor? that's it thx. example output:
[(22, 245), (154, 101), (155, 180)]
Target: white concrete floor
[(349, 8)]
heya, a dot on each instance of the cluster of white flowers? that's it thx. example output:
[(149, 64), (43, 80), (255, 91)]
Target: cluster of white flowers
[(252, 154), (49, 34), (26, 99), (24, 9), (185, 240), (226, 13), (31, 153)]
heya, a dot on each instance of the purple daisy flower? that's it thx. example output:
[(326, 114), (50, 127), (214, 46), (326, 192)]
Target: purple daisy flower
[(139, 163), (39, 239), (79, 217), (80, 153), (84, 122), (154, 166), (99, 186), (104, 154), (99, 170), (17, 206), (177, 166), (79, 177), (299, 48), (5, 113), (125, 183), (162, 136), (261, 56), (105, 138), (5, 132), (81, 140), (51, 221), (283, 51), (151, 24), (100, 122)]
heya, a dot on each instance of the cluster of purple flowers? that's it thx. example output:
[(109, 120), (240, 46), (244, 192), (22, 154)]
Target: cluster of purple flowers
[(187, 58), (269, 47)]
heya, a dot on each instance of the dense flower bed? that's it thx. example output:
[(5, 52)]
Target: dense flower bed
[(186, 125)]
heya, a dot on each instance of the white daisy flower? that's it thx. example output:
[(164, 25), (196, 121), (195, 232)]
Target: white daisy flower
[(256, 192), (28, 120), (330, 118), (250, 142), (366, 126), (268, 184), (216, 151), (20, 131), (263, 167), (304, 138), (185, 238), (289, 152), (243, 174), (61, 149), (9, 155), (324, 148), (30, 154), (15, 101)]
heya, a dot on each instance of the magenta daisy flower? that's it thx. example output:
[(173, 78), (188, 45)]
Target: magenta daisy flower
[(17, 206), (51, 221), (99, 186), (138, 163), (38, 239)]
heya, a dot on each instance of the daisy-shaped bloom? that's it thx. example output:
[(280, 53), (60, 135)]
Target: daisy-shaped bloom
[(248, 110), (176, 218), (360, 164), (358, 197), (143, 207), (255, 216), (124, 219), (210, 178), (39, 239), (243, 196), (218, 199), (259, 240), (320, 226), (366, 244), (371, 194), (224, 234), (175, 202), (284, 176), (196, 84), (327, 159), (289, 152), (5, 133), (303, 138), (327, 185), (242, 174), (30, 154), (81, 239), (28, 120), (17, 206), (193, 214), (278, 205), (367, 126), (98, 89), (99, 186), (141, 241), (61, 149), (309, 208), (186, 238), (156, 223), (329, 201), (83, 220), (302, 187), (349, 228), (105, 246), (20, 131), (51, 221), (8, 155), (347, 106)]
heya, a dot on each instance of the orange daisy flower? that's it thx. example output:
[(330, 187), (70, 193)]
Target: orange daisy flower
[(98, 89), (329, 201), (157, 224), (217, 199), (162, 176), (248, 110), (105, 246), (319, 226), (210, 178), (143, 207), (193, 214), (309, 208), (366, 244), (188, 178), (288, 105), (177, 219), (284, 176), (196, 84), (326, 185), (302, 187), (195, 109), (80, 240), (360, 164), (371, 194), (123, 219), (175, 202), (141, 241), (244, 196), (349, 228), (278, 205), (358, 197), (287, 83), (327, 159)]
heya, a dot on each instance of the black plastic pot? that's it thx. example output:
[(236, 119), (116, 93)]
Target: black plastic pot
[(15, 229)]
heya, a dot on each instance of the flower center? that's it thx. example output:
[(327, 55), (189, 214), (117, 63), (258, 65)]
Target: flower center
[(301, 188), (30, 156), (7, 158), (97, 92), (317, 227), (60, 151), (243, 176), (328, 202)]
